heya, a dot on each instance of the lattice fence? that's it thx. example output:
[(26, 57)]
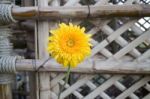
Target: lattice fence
[(122, 39)]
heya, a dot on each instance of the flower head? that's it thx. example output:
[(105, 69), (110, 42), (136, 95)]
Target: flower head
[(69, 44)]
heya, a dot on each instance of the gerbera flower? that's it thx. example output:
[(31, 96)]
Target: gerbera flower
[(69, 44)]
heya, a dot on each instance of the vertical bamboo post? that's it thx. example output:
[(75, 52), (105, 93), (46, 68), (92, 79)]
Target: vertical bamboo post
[(5, 91), (5, 88), (32, 75), (5, 79), (5, 85), (42, 36)]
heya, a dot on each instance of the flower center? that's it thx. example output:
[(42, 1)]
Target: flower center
[(70, 43)]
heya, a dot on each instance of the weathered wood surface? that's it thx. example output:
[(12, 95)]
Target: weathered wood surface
[(136, 10), (5, 91), (92, 66), (42, 34)]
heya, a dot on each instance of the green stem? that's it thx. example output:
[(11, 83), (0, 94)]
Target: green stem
[(66, 80)]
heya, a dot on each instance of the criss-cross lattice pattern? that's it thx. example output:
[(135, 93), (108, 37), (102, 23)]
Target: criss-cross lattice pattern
[(124, 39), (103, 86)]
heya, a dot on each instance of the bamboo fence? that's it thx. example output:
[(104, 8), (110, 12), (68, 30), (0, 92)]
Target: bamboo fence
[(121, 42)]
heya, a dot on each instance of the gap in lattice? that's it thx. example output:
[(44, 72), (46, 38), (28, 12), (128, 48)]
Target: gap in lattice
[(98, 80), (129, 35), (98, 97), (99, 36), (129, 80), (84, 90), (119, 2), (87, 2), (113, 91), (87, 24), (145, 1), (143, 47), (141, 92), (113, 47)]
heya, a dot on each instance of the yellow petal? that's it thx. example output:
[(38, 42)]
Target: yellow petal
[(63, 53)]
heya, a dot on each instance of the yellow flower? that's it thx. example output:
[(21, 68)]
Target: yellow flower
[(69, 44)]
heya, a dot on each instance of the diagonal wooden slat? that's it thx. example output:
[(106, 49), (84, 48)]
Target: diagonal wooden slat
[(138, 31), (91, 85), (71, 2), (133, 88), (78, 84), (54, 3), (104, 95), (133, 96), (102, 87), (111, 37), (147, 96), (133, 44), (122, 88), (55, 81), (101, 2), (147, 87), (144, 56), (121, 41), (53, 95), (76, 93)]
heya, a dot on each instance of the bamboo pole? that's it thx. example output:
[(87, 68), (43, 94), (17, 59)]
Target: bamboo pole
[(93, 66), (136, 10), (5, 91), (42, 34)]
